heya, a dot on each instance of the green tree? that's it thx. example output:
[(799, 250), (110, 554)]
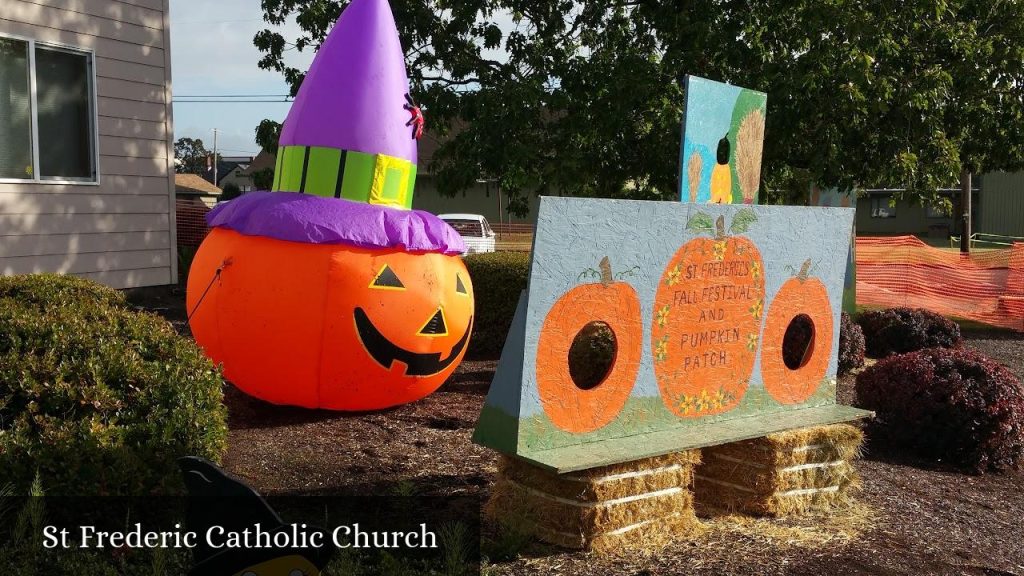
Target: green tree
[(267, 134), (584, 98), (192, 155), (263, 179), (229, 192)]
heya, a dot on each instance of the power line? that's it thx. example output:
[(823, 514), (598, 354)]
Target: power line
[(285, 101), (233, 96)]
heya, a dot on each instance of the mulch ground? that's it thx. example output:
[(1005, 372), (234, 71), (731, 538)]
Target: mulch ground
[(914, 518)]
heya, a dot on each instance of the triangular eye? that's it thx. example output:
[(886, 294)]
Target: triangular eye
[(460, 287), (387, 279)]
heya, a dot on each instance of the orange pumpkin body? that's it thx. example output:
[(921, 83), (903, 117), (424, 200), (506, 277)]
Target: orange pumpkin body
[(796, 296), (707, 315), (327, 325), (567, 406)]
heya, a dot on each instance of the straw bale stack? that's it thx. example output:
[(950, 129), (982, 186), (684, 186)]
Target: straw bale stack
[(780, 474), (640, 504)]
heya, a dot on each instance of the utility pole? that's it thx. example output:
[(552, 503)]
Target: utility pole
[(215, 130), (965, 200)]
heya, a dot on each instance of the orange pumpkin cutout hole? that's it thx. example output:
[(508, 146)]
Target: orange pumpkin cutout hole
[(707, 315), (585, 405), (800, 313)]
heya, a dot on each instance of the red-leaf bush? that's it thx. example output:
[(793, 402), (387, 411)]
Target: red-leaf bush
[(951, 404), (902, 330), (851, 344)]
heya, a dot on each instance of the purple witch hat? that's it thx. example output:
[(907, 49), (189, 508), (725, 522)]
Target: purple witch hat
[(348, 146)]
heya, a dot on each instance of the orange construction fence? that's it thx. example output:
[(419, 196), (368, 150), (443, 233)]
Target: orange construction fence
[(985, 286)]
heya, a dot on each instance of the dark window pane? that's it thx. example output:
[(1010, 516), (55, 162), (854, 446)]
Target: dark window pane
[(65, 114), (15, 111)]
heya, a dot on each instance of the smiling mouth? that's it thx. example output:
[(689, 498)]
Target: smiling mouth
[(385, 352)]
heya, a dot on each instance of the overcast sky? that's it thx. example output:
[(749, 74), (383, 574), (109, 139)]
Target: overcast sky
[(212, 53)]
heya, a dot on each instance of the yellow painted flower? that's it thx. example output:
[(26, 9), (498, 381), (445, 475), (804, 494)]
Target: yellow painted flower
[(704, 402), (661, 349), (719, 399), (720, 249), (662, 318), (673, 275), (751, 342), (757, 309)]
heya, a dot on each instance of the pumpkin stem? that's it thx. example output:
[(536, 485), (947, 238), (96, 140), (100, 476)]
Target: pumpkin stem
[(805, 270), (720, 227), (606, 271)]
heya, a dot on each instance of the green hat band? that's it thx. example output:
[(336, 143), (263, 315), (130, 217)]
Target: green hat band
[(371, 178)]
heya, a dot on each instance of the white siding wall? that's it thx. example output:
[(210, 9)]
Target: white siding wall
[(120, 232)]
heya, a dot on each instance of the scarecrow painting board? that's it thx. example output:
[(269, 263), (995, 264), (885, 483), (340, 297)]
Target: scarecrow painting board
[(698, 300), (723, 137)]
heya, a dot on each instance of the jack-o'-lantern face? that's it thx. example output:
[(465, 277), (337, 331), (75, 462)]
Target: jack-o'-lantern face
[(397, 325), (423, 320), (331, 326)]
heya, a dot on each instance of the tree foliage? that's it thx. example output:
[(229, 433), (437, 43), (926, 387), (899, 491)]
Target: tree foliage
[(192, 154), (267, 134), (263, 179), (584, 98)]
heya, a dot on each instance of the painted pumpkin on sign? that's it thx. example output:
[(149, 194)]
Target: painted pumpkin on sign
[(569, 406), (802, 302), (707, 316), (330, 326)]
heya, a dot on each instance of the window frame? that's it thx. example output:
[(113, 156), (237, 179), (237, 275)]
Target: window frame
[(94, 123), (876, 202)]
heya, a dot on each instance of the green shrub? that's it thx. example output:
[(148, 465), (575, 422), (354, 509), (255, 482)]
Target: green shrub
[(498, 279), (954, 405), (46, 291), (95, 397)]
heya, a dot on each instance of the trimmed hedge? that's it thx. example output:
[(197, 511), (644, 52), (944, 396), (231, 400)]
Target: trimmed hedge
[(498, 279), (96, 397), (949, 404), (851, 344), (902, 330)]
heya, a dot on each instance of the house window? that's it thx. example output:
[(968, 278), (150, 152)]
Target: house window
[(880, 208), (47, 113)]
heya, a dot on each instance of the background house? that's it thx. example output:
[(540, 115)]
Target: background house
[(195, 197), (86, 141), (997, 207), (484, 198), (877, 216), (232, 170)]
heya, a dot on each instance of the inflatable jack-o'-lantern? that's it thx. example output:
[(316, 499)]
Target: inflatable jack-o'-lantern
[(329, 292)]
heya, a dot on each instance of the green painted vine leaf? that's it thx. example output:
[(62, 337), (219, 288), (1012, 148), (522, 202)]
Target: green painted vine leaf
[(742, 221)]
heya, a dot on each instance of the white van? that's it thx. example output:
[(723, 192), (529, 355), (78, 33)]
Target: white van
[(474, 229)]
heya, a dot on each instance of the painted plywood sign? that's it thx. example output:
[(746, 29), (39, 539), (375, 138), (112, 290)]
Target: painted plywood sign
[(698, 300), (723, 137), (846, 199)]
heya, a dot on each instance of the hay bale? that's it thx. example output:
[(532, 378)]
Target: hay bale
[(781, 474), (645, 503)]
